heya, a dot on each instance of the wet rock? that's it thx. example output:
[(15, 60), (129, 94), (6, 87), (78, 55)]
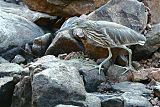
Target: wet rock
[(18, 59), (152, 44), (9, 69), (2, 60), (132, 15), (40, 44), (135, 88), (116, 73), (22, 93), (64, 8), (131, 99), (64, 42), (92, 78)]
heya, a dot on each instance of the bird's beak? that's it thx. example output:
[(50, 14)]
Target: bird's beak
[(66, 28)]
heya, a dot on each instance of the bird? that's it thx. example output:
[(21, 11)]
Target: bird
[(106, 35)]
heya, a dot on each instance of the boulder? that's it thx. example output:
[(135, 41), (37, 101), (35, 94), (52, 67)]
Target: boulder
[(92, 78), (152, 44), (17, 30), (7, 85), (116, 73), (2, 60), (130, 13), (64, 86), (40, 44), (64, 8), (154, 6), (9, 69), (131, 100), (23, 11), (55, 81), (64, 42), (22, 93), (132, 87)]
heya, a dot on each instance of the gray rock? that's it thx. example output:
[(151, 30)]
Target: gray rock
[(23, 11), (64, 42), (92, 78), (115, 73), (132, 15), (133, 100), (136, 88), (92, 100), (156, 90), (8, 69), (17, 30), (110, 100), (18, 59), (40, 44), (152, 44), (7, 85), (60, 84), (2, 60), (22, 93)]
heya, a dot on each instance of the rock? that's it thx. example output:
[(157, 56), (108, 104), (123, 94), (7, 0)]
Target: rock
[(135, 88), (155, 10), (92, 78), (8, 69), (64, 42), (7, 85), (60, 84), (111, 100), (132, 15), (11, 53), (18, 59), (148, 73), (2, 60), (23, 11), (133, 100), (22, 93), (152, 44), (115, 74), (20, 28), (92, 101), (40, 44), (64, 8), (156, 90)]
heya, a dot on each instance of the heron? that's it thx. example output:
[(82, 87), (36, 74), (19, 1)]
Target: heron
[(106, 35)]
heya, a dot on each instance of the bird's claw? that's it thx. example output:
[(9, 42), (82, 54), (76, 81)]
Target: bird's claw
[(128, 69)]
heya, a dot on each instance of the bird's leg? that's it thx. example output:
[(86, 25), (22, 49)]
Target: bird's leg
[(109, 56), (129, 59)]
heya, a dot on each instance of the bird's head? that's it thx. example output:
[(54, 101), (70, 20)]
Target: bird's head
[(73, 23)]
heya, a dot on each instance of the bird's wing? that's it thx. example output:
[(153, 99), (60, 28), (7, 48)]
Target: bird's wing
[(110, 33)]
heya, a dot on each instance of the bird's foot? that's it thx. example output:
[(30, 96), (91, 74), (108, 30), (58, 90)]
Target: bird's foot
[(97, 66), (128, 69)]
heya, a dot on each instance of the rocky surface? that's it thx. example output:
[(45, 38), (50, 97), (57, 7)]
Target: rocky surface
[(30, 77), (64, 8), (131, 15), (13, 27)]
